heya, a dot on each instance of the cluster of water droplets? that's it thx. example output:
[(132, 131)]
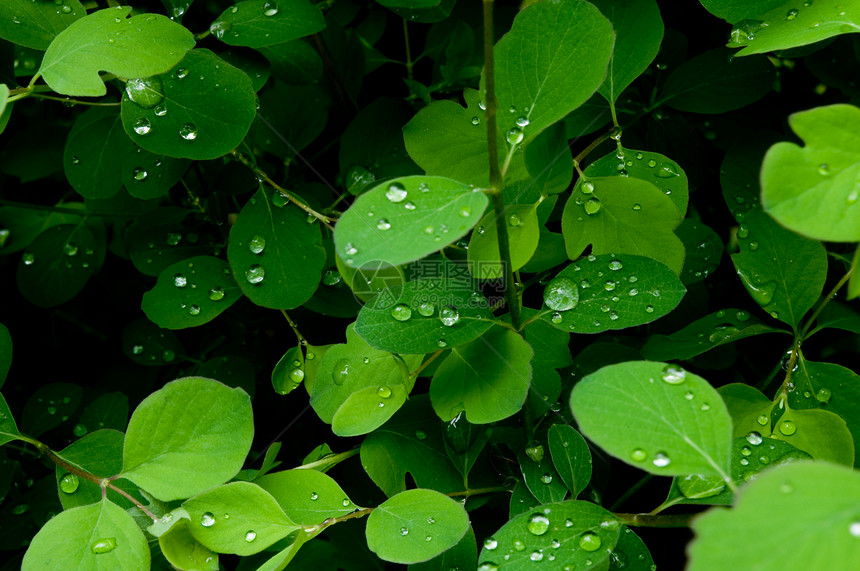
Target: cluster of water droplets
[(747, 30), (148, 93)]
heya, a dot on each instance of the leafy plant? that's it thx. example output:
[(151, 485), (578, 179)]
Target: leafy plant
[(525, 280)]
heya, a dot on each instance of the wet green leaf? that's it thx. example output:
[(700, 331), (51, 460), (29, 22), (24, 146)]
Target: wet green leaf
[(107, 40), (308, 497), (147, 344), (158, 242), (100, 454), (677, 422), (415, 525), (704, 249), (570, 456), (813, 189), (630, 553), (36, 24), (539, 473), (174, 445), (49, 406), (822, 434), (523, 235), (183, 551), (259, 23)]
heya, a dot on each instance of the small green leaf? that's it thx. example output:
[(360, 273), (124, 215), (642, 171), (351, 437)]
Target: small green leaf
[(718, 328), (49, 406), (570, 456), (716, 82), (276, 255), (464, 443), (489, 385), (815, 505), (190, 293), (522, 500), (813, 189), (147, 344), (783, 272), (182, 551), (820, 433), (100, 454), (572, 533), (630, 553), (523, 235), (5, 353), (623, 216), (106, 40), (415, 525), (442, 313), (704, 249), (8, 429), (289, 372), (174, 445), (602, 293), (239, 517), (260, 23), (36, 24), (677, 422), (405, 219), (638, 32), (97, 536), (539, 474), (308, 497)]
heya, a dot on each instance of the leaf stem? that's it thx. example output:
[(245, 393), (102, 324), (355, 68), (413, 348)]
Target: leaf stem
[(474, 492), (330, 459), (295, 328), (805, 329), (66, 100), (426, 363), (648, 520), (577, 160), (409, 63)]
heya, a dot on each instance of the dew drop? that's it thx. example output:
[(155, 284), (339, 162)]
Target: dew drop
[(141, 126), (514, 136), (396, 192), (561, 294), (194, 309), (69, 484), (103, 545), (546, 478), (188, 131), (538, 524), (661, 460), (207, 519), (139, 174), (787, 427), (270, 8), (180, 281), (257, 244), (535, 451), (673, 374), (449, 316), (590, 541), (592, 206), (754, 438), (490, 544), (427, 309), (216, 294), (404, 532), (145, 92)]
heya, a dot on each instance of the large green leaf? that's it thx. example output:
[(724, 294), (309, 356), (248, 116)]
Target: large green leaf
[(602, 293), (544, 67), (36, 24), (190, 293), (676, 422), (573, 533), (813, 505), (260, 23), (622, 215), (276, 255), (523, 236), (201, 109), (783, 272), (487, 378), (106, 40), (175, 445), (423, 316), (97, 536), (415, 525), (638, 33), (813, 189), (405, 219), (308, 497)]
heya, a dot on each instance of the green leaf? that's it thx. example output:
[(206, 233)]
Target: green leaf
[(854, 281), (783, 272), (630, 553), (428, 301), (415, 525), (294, 62), (190, 293), (59, 263), (564, 533), (790, 25), (276, 255), (109, 410), (815, 505), (716, 82), (260, 23), (523, 235), (545, 72), (49, 406), (153, 246), (182, 551), (405, 219), (704, 249), (410, 443), (99, 159), (36, 24), (606, 292), (734, 10), (570, 456), (464, 555), (638, 33), (8, 429), (97, 536), (100, 454), (106, 40), (749, 408), (820, 433), (549, 162), (522, 500), (539, 474), (464, 443), (488, 378), (239, 517), (308, 497), (813, 189), (718, 328), (201, 109), (5, 353), (677, 422), (147, 344), (622, 216), (175, 445), (291, 117)]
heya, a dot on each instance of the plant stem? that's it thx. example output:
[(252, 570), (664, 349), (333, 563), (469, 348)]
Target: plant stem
[(476, 491), (577, 160), (331, 459), (295, 328), (426, 363), (496, 182), (648, 520), (805, 329), (67, 100), (409, 63)]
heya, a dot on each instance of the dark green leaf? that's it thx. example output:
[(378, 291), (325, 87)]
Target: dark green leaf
[(570, 456), (704, 250), (539, 474), (147, 344), (49, 406), (259, 23), (630, 553), (464, 555), (294, 62), (110, 410), (154, 246), (100, 454)]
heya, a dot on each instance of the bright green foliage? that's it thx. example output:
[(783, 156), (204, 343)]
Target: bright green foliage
[(820, 433), (259, 23), (601, 293), (103, 40), (239, 517), (783, 272), (415, 525), (570, 456), (100, 454), (405, 219), (200, 109), (174, 446), (815, 505), (571, 532), (523, 233), (275, 253), (36, 24), (183, 551), (487, 386), (190, 293), (97, 536), (677, 422), (813, 189), (307, 497)]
